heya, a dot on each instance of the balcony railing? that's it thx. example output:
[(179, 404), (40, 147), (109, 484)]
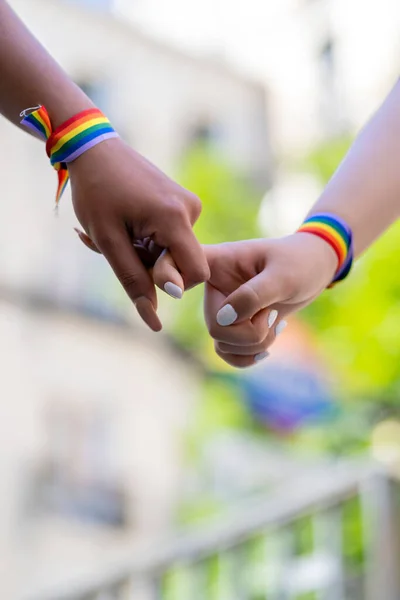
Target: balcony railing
[(253, 555)]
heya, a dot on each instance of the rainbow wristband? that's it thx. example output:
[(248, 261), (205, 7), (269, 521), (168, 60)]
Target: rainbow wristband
[(338, 235), (71, 139)]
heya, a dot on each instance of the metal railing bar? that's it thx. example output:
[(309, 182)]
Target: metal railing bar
[(292, 501)]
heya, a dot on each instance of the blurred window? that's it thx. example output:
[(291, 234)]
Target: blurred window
[(99, 93), (207, 133), (77, 478), (330, 107), (80, 280), (327, 58)]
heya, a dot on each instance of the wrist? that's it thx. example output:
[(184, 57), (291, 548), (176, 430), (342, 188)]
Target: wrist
[(321, 255), (337, 234), (87, 162), (63, 106), (82, 132)]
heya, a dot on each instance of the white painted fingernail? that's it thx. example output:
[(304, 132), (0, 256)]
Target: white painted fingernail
[(226, 316), (272, 317), (260, 356), (173, 290), (280, 327)]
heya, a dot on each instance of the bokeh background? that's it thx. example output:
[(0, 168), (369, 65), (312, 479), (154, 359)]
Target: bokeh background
[(114, 439)]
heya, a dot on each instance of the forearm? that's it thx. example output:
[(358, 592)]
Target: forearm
[(365, 191), (30, 76)]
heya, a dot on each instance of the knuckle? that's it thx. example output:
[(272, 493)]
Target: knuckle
[(289, 281), (251, 297), (256, 336), (106, 241), (177, 210), (195, 205), (200, 273), (130, 282)]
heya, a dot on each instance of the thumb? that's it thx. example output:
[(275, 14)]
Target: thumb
[(258, 293), (167, 276)]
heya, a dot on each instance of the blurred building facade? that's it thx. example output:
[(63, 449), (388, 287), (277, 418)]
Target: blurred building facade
[(92, 416), (94, 407), (327, 65)]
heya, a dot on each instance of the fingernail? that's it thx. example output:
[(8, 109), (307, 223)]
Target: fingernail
[(226, 316), (280, 327), (173, 290), (146, 310), (260, 356), (272, 317), (80, 235)]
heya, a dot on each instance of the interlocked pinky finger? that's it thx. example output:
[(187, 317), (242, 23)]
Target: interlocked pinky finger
[(147, 251)]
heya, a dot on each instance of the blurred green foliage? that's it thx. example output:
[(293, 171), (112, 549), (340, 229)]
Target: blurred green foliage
[(230, 210), (357, 328), (353, 539), (358, 323), (230, 201), (220, 409), (325, 158), (303, 536), (260, 559)]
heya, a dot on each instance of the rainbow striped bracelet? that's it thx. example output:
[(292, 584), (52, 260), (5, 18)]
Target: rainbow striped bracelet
[(335, 231), (71, 139)]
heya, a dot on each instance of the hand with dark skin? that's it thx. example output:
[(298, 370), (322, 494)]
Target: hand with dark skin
[(119, 197)]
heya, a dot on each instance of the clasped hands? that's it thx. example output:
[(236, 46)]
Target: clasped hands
[(131, 212)]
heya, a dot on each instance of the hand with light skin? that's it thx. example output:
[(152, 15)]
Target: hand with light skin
[(256, 284), (119, 197)]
